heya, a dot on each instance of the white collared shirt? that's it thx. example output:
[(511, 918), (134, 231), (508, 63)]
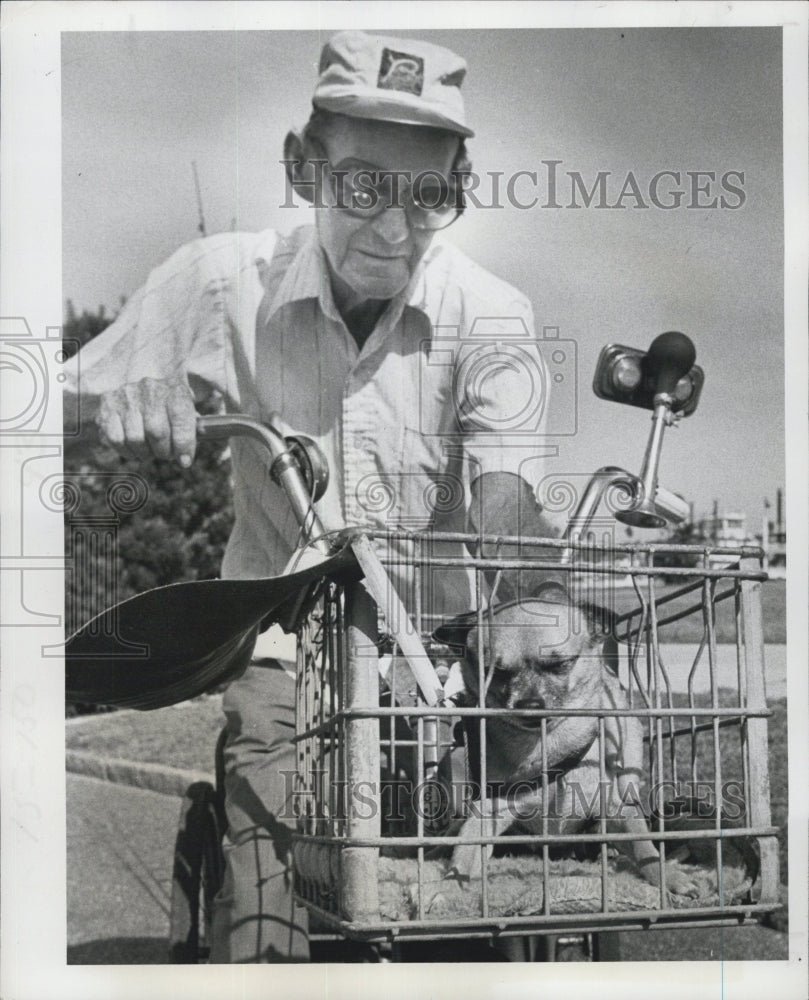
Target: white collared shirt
[(450, 384)]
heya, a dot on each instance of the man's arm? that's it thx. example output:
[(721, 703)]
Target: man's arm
[(504, 504), (501, 448), (137, 382)]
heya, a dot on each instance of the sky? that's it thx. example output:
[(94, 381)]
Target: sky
[(139, 107)]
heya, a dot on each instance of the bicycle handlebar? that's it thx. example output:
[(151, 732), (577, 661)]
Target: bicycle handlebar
[(284, 467), (219, 426)]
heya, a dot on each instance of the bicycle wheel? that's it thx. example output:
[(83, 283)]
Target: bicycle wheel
[(601, 947), (198, 872), (567, 947)]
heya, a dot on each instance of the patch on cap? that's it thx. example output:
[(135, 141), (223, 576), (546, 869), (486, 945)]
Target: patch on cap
[(401, 71), (387, 79)]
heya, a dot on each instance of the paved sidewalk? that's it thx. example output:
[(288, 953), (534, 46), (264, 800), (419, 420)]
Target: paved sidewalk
[(120, 843)]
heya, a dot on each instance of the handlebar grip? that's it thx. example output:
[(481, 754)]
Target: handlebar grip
[(670, 356)]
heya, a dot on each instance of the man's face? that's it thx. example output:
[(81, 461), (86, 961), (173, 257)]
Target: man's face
[(374, 258)]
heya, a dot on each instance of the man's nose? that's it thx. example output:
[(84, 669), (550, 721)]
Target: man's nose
[(392, 225)]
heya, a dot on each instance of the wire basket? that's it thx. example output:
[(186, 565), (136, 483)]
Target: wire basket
[(384, 781)]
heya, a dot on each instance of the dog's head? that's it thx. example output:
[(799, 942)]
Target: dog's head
[(540, 653)]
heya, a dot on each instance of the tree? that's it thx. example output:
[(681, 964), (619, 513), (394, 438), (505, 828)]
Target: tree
[(179, 533), (78, 330), (683, 534)]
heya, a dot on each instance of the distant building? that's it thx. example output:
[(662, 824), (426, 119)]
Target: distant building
[(730, 529), (773, 538), (726, 529)]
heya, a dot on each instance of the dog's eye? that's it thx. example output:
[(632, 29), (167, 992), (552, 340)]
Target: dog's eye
[(556, 666)]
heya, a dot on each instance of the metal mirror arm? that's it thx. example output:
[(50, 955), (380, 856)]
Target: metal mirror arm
[(670, 356)]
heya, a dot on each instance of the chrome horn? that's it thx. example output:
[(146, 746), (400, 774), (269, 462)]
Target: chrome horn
[(663, 379), (670, 357)]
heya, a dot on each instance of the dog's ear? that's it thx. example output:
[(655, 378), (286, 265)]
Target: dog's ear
[(600, 620), (601, 625), (456, 631)]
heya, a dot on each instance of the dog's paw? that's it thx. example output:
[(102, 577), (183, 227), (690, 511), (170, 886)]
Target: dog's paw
[(680, 883), (433, 900)]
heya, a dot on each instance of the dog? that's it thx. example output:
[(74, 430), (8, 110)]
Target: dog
[(547, 652)]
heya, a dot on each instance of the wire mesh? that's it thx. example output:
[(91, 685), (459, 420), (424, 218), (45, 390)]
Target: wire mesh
[(386, 784)]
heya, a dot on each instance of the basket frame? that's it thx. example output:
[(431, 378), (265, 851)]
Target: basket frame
[(354, 722)]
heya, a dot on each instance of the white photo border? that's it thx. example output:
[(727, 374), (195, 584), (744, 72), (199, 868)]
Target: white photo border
[(33, 780)]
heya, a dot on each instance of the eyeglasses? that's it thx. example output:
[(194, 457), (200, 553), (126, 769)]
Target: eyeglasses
[(429, 199)]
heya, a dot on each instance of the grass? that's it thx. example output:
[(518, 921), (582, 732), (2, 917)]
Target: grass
[(690, 628), (182, 736), (731, 759)]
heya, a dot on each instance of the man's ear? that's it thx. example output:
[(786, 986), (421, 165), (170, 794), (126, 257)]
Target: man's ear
[(302, 174)]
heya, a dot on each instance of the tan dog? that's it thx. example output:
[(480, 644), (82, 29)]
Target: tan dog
[(549, 654)]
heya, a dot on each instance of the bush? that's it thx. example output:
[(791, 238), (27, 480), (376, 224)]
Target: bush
[(178, 534)]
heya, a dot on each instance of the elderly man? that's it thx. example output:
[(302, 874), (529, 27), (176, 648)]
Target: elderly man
[(362, 334)]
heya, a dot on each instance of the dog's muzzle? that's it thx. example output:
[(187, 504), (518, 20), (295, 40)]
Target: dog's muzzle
[(529, 722)]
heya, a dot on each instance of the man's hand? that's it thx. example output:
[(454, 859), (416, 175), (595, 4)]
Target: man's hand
[(153, 417)]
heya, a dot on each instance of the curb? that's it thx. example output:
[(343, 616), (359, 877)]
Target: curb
[(82, 720), (150, 777)]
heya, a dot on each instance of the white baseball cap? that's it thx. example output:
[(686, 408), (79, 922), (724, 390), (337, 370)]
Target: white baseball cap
[(392, 80)]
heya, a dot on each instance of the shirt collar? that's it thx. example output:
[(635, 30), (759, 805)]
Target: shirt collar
[(301, 277)]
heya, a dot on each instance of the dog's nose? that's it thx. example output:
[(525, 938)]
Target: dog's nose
[(525, 703)]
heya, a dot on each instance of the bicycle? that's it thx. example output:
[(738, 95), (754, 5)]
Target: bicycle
[(372, 876)]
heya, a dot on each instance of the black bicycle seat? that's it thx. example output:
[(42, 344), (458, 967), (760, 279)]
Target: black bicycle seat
[(172, 643)]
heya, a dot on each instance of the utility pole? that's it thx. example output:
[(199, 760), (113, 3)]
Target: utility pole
[(201, 225), (765, 533)]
